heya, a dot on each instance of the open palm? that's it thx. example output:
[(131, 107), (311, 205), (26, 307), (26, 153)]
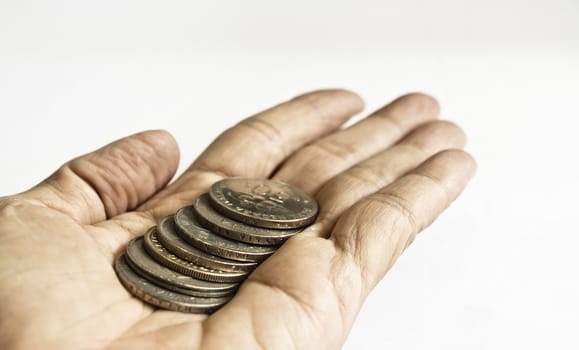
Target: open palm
[(378, 182)]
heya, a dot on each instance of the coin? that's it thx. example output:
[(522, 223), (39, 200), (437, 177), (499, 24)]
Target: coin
[(170, 260), (175, 244), (263, 203), (158, 296), (191, 231), (192, 261), (147, 267), (216, 222)]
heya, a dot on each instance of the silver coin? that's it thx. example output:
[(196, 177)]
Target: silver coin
[(163, 298), (170, 260), (191, 231), (264, 203), (147, 267), (216, 222), (175, 244)]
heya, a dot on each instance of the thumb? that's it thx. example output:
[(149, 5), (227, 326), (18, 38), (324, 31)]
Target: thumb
[(111, 180)]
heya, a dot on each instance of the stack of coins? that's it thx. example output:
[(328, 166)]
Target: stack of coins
[(195, 260)]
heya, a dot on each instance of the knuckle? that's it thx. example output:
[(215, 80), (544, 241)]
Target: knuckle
[(353, 242), (133, 154), (364, 177), (313, 101), (334, 149), (262, 127), (263, 131), (398, 208), (103, 174)]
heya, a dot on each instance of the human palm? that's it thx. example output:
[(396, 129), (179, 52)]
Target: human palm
[(378, 182)]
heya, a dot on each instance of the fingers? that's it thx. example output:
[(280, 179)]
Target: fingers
[(371, 175), (312, 287), (111, 180), (257, 145), (313, 165), (375, 232)]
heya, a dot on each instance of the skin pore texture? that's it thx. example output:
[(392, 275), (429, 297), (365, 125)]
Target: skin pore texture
[(378, 182)]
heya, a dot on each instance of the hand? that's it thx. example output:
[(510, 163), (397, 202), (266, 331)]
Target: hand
[(378, 183)]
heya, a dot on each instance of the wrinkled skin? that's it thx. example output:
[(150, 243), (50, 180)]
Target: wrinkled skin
[(378, 182)]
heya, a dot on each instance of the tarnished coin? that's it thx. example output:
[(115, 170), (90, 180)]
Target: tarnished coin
[(147, 267), (175, 244), (191, 231), (217, 222), (263, 203), (160, 297), (172, 261)]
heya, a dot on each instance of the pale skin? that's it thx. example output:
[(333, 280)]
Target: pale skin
[(379, 182)]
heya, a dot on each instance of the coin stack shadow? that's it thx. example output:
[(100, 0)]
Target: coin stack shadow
[(195, 260)]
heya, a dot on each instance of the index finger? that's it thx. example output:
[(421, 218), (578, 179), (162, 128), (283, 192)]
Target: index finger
[(257, 145), (377, 229), (314, 287)]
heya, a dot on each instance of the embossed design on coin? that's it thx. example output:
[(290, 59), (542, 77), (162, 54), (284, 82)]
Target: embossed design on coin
[(191, 231), (172, 261), (217, 222), (175, 244), (263, 203), (161, 275), (158, 296)]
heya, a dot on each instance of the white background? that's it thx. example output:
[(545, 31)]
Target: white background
[(497, 271)]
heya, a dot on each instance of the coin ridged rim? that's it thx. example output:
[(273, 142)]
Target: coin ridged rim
[(213, 220), (175, 288), (174, 243), (148, 267), (160, 297), (158, 252), (224, 206), (192, 232)]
